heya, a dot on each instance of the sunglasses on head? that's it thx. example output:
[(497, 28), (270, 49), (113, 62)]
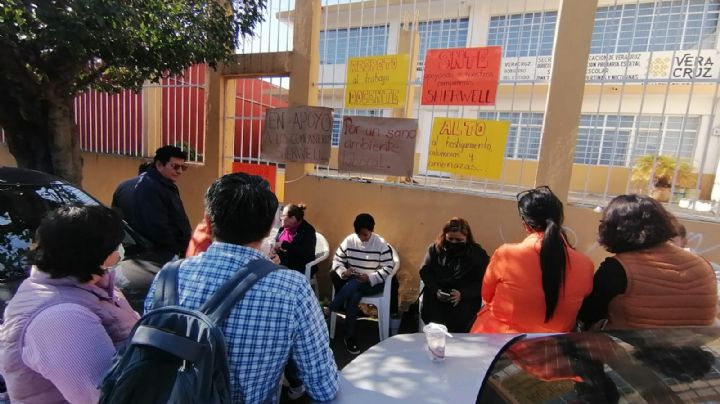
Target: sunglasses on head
[(529, 191), (178, 167)]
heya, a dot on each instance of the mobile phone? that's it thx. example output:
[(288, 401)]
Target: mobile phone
[(443, 294)]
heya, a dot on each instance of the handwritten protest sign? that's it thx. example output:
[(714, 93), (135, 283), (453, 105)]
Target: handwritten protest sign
[(377, 145), (267, 171), (468, 146), (376, 81), (297, 134), (465, 76)]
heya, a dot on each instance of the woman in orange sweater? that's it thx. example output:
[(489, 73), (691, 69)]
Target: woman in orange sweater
[(538, 284)]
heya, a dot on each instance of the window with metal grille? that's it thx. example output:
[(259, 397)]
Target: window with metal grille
[(634, 27), (441, 34), (660, 26), (529, 34), (523, 141), (337, 120), (603, 139), (337, 45), (666, 135)]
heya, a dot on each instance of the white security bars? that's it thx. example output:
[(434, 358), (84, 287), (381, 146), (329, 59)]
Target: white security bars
[(651, 89)]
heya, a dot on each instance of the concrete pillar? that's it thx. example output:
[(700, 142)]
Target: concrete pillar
[(576, 19), (152, 118), (305, 67)]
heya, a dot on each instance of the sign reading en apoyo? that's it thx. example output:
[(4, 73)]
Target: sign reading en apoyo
[(377, 145), (297, 134), (464, 76)]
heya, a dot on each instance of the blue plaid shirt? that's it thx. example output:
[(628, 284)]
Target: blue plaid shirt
[(278, 317)]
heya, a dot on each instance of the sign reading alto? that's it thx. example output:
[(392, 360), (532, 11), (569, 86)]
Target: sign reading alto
[(297, 134), (377, 145), (376, 81), (468, 146), (464, 76)]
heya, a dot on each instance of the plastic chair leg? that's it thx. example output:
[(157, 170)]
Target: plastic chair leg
[(333, 319)]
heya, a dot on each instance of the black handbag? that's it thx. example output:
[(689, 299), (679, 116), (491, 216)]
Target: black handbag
[(410, 321)]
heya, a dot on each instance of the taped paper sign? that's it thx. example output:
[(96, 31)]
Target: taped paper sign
[(377, 145), (468, 146), (376, 81), (465, 76), (297, 134)]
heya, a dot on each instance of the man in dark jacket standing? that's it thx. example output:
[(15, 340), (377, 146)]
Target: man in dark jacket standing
[(155, 209), (123, 195)]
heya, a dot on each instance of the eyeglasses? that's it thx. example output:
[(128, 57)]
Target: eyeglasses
[(178, 167), (529, 191)]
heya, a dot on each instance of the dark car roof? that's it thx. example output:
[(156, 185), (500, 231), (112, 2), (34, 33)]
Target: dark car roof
[(18, 176), (640, 365)]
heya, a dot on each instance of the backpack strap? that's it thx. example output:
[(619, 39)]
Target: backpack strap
[(221, 303), (166, 289)]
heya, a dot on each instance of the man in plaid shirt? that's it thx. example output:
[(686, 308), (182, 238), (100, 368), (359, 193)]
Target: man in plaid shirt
[(279, 318)]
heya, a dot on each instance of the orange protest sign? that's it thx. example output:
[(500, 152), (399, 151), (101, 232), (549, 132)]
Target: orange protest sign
[(464, 76)]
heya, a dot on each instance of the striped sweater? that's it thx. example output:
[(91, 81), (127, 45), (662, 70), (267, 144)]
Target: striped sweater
[(374, 257)]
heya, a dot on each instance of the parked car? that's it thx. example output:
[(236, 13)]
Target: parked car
[(667, 365), (25, 197)]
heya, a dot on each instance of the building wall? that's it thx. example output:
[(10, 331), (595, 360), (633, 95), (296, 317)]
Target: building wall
[(624, 98), (410, 218)]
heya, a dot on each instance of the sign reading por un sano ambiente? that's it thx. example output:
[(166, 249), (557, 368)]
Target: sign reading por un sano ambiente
[(377, 145), (468, 146), (297, 134), (376, 81), (463, 76)]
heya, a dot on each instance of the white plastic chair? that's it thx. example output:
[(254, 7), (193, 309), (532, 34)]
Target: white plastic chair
[(322, 250), (381, 301)]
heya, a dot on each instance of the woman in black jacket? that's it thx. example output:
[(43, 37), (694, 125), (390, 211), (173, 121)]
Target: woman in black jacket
[(453, 272), (295, 242)]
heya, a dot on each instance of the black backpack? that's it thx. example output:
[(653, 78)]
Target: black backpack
[(177, 355)]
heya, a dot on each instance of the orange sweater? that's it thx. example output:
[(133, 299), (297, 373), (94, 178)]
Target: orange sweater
[(513, 294)]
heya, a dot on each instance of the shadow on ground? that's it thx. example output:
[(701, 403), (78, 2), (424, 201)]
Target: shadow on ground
[(367, 336)]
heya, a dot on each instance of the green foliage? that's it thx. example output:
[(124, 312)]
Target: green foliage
[(114, 44), (192, 152), (662, 169)]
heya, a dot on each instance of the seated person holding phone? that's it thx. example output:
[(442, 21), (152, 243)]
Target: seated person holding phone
[(453, 272), (361, 264)]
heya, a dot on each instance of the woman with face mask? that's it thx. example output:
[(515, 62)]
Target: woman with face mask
[(538, 284), (453, 271), (66, 321)]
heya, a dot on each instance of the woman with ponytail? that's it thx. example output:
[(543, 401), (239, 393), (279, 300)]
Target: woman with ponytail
[(538, 284)]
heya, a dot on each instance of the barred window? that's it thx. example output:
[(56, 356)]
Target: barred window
[(603, 139), (661, 26), (523, 141), (668, 135), (337, 45), (442, 34), (633, 27), (529, 34)]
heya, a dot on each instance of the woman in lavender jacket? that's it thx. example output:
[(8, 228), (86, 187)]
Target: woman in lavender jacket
[(66, 321)]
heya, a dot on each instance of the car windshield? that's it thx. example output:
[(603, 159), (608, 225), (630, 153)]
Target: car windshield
[(21, 209), (635, 366)]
